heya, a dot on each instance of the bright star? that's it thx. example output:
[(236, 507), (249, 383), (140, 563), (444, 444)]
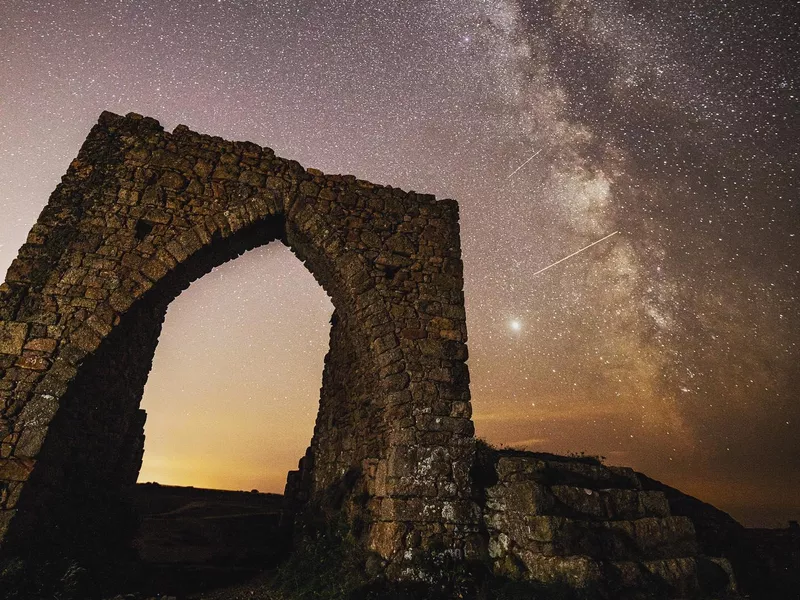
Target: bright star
[(516, 325)]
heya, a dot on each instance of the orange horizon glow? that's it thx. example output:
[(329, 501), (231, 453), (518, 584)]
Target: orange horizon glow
[(216, 420)]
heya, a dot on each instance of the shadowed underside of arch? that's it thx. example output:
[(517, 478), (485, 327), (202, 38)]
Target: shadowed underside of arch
[(139, 215)]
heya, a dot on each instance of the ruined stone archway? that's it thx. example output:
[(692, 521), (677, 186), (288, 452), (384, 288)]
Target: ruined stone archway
[(138, 216)]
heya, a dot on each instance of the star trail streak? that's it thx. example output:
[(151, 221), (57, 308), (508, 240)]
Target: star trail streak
[(515, 171), (558, 262)]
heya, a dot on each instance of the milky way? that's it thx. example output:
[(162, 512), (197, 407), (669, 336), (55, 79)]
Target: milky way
[(670, 347)]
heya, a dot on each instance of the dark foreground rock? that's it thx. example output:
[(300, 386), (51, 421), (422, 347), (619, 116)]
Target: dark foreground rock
[(766, 561), (194, 539), (558, 528)]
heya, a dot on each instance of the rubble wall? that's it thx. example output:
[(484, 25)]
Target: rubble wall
[(139, 215)]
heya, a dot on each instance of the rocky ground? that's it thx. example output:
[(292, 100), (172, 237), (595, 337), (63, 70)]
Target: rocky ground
[(198, 544), (192, 540)]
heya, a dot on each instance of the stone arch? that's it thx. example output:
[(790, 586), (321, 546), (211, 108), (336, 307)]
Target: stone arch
[(138, 216)]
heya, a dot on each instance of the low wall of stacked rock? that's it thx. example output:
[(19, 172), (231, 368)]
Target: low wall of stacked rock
[(592, 531), (139, 215)]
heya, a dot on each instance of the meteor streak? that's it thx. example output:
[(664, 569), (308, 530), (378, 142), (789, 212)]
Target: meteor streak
[(525, 163), (574, 253)]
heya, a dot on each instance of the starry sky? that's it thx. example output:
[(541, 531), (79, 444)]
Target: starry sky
[(671, 346)]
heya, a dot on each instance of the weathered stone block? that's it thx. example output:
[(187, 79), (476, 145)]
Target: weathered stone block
[(12, 337), (32, 362), (30, 441), (172, 180), (16, 469)]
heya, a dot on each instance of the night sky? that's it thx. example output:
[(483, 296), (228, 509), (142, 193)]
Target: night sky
[(671, 346)]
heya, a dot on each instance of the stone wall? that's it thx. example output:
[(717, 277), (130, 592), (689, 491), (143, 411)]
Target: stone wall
[(139, 215), (591, 531)]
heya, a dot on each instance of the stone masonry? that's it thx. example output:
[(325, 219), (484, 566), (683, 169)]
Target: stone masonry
[(139, 215), (592, 531)]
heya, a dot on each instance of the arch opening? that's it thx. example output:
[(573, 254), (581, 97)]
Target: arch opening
[(231, 404), (235, 385)]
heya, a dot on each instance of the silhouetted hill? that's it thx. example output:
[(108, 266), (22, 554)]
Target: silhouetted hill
[(192, 539)]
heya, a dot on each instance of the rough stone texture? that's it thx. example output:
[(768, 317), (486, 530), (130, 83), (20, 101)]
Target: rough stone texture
[(593, 531), (766, 562), (138, 216)]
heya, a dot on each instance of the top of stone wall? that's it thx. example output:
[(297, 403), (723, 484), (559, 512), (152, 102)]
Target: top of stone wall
[(136, 123)]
